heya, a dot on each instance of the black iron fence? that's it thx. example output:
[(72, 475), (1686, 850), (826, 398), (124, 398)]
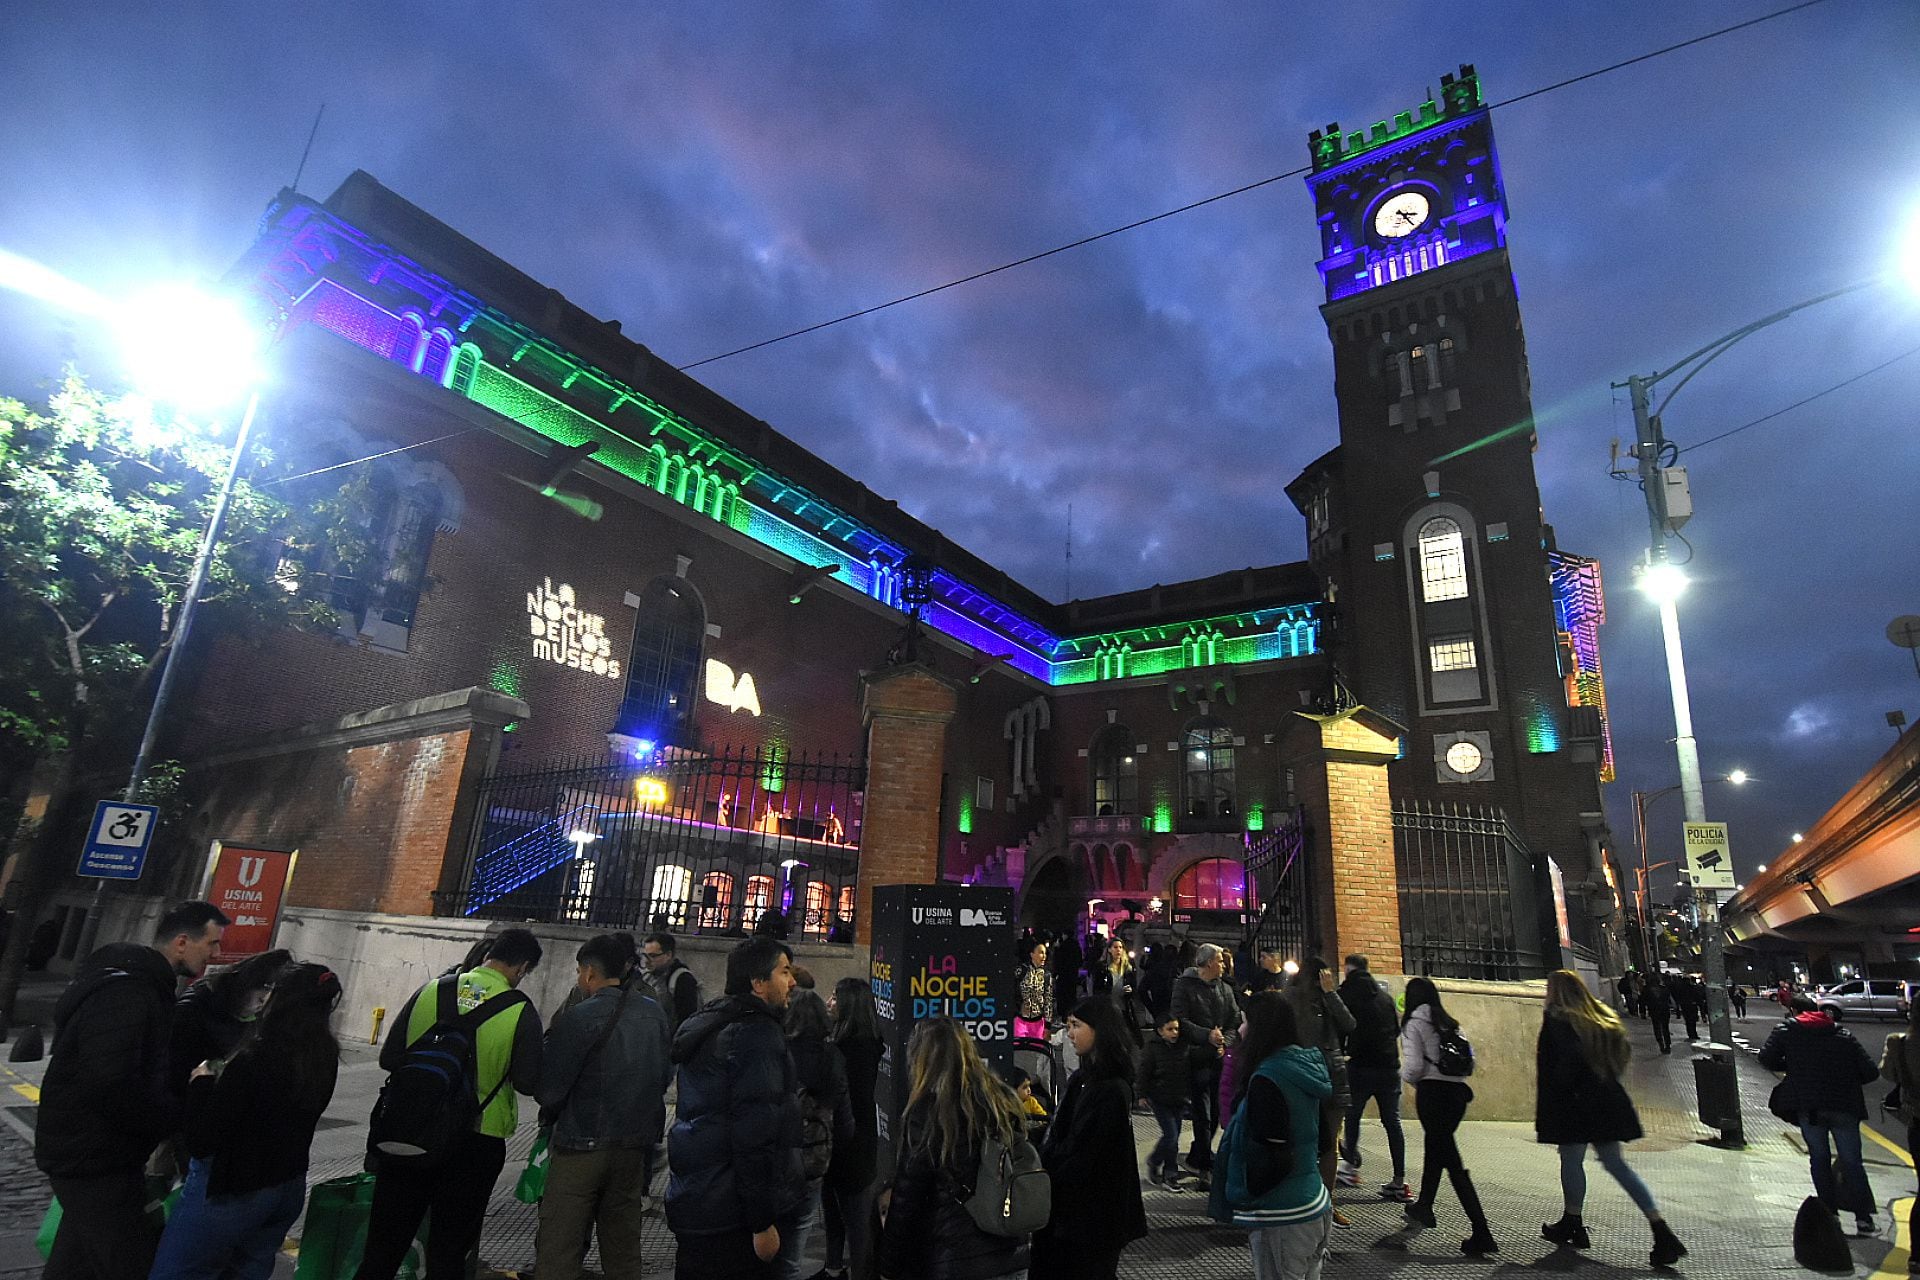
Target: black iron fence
[(1279, 875), (697, 842), (1468, 893)]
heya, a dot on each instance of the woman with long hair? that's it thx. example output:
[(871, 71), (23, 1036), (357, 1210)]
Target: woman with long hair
[(826, 1117), (1090, 1156), (250, 1124), (212, 1016), (1440, 1100), (955, 1106), (1034, 981), (1270, 1184), (1580, 1102), (1113, 977), (847, 1193)]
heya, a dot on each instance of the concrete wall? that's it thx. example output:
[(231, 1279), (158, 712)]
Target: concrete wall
[(383, 959), (1502, 1019)]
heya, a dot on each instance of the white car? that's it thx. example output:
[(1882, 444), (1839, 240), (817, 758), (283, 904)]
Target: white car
[(1884, 996)]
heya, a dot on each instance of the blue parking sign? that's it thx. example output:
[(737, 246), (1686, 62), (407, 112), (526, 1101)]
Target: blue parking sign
[(117, 843)]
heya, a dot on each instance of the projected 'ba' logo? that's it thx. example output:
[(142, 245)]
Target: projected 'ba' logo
[(735, 693)]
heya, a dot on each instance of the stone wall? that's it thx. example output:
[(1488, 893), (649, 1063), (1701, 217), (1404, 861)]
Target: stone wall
[(1502, 1019), (383, 959)]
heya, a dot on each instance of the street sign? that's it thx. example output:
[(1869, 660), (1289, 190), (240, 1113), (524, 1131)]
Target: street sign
[(1709, 857), (117, 843), (249, 886)]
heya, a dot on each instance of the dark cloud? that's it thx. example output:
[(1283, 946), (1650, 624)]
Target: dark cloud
[(715, 174)]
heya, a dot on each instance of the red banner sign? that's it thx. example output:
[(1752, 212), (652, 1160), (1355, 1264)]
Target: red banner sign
[(248, 886)]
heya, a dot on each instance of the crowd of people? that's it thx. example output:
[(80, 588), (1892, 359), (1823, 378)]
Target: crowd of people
[(214, 1094)]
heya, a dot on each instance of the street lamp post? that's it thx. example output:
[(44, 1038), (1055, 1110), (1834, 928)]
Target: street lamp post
[(186, 345), (1669, 505)]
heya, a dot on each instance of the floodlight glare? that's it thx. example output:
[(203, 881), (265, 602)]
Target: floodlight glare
[(188, 346), (1737, 777), (1663, 583), (1909, 265)]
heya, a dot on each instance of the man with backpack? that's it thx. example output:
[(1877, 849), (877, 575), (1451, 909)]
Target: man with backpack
[(738, 1187), (602, 1096), (673, 984), (105, 1103), (1373, 1074), (457, 1054)]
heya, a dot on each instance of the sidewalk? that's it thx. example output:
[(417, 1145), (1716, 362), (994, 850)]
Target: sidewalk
[(1734, 1210)]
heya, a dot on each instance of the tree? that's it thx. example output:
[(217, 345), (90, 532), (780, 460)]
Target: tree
[(103, 502)]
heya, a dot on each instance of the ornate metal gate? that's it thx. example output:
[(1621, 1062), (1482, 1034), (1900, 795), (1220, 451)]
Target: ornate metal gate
[(1469, 893)]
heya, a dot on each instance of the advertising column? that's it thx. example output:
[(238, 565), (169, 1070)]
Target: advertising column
[(939, 951)]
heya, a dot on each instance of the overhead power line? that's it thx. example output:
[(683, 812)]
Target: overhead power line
[(1227, 195), (1864, 373)]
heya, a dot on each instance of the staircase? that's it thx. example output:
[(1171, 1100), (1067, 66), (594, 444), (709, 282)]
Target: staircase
[(500, 870)]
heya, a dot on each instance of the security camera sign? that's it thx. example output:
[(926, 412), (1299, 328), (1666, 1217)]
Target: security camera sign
[(1709, 857)]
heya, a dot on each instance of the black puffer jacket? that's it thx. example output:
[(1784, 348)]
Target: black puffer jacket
[(1825, 1067), (1374, 1042), (104, 1103), (735, 1146), (1572, 1101), (929, 1235), (821, 1071), (855, 1163), (1164, 1075), (1203, 1007)]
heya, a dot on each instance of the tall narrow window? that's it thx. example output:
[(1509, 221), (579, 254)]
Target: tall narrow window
[(1116, 772), (1208, 753), (436, 353), (819, 913), (716, 899), (1443, 561), (672, 890), (404, 552), (1452, 653), (759, 900), (663, 669)]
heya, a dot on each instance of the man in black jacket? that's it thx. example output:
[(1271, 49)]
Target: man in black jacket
[(602, 1094), (1209, 1018), (738, 1187), (1373, 1073), (1825, 1069), (671, 982), (105, 1102)]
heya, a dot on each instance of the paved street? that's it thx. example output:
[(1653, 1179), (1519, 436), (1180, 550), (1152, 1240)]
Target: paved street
[(1733, 1209)]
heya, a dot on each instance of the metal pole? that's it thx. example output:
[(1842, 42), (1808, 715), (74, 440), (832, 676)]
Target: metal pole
[(1650, 443), (170, 664)]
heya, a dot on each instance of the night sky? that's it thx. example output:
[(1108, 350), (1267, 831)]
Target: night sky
[(715, 174)]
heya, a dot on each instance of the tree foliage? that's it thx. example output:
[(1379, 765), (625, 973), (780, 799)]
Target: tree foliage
[(103, 502)]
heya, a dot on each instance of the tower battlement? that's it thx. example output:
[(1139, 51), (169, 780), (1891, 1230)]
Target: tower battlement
[(1459, 95)]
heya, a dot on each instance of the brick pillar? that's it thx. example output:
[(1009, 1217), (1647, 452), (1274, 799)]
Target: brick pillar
[(1339, 764), (906, 711)]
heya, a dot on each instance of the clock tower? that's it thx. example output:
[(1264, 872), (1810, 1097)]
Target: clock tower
[(1424, 525)]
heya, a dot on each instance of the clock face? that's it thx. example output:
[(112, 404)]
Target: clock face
[(1401, 214), (1463, 758)]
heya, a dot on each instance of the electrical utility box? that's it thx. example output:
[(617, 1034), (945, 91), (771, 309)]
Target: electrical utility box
[(1678, 498)]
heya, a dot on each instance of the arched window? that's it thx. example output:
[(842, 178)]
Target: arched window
[(466, 365), (819, 907), (406, 341), (672, 891), (655, 476), (436, 353), (716, 899), (1215, 884), (1116, 772), (663, 668), (846, 902), (759, 900), (1443, 561), (403, 554), (1208, 754)]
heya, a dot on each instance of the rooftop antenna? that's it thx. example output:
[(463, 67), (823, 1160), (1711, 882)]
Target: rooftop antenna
[(308, 149), (1069, 594)]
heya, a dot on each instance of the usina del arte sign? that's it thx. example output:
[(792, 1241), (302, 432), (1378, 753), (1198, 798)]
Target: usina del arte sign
[(567, 635)]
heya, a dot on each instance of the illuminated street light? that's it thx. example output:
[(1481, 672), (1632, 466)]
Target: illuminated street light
[(1910, 253), (1662, 583), (1737, 777), (1763, 866), (187, 346), (1797, 837)]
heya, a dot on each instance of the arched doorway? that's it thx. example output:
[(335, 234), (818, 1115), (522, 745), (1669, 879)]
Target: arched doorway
[(1056, 896)]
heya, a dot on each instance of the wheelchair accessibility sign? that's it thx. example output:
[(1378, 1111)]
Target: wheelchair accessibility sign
[(117, 843)]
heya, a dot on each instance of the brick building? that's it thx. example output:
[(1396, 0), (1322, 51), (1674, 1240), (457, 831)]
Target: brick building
[(617, 649)]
